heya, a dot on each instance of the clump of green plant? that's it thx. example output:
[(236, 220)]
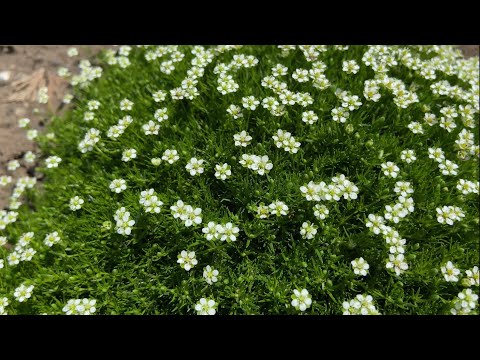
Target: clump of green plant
[(254, 180)]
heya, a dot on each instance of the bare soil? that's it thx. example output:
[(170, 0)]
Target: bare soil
[(32, 66)]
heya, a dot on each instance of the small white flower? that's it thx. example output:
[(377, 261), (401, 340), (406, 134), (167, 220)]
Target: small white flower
[(29, 157), (22, 123), (5, 180), (301, 299), (71, 52), (350, 67), (206, 307), (360, 266), (308, 230), (161, 114), (473, 276), (13, 165), (390, 169), (187, 260), (210, 231), (118, 185), (309, 117), (340, 114), (223, 171), (51, 239), (170, 156), (320, 211), (250, 103), (151, 128), (450, 272), (408, 156), (242, 139), (210, 275), (415, 127), (76, 203), (52, 161), (32, 134), (375, 223), (436, 154), (397, 263), (195, 166), (28, 254), (235, 111), (278, 208), (227, 231), (23, 292), (129, 154), (448, 167), (159, 96), (126, 105)]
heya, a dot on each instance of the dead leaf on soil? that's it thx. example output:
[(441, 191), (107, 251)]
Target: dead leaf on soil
[(26, 88)]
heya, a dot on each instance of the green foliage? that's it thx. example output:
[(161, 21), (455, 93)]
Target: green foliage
[(139, 274)]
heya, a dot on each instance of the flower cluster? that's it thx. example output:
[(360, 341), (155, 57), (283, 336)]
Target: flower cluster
[(186, 213), (338, 188), (465, 303), (223, 232), (117, 130), (91, 138), (284, 139), (124, 222), (149, 200), (80, 307), (360, 305), (260, 164), (449, 214)]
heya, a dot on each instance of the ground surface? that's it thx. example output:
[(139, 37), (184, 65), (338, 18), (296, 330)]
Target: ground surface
[(29, 67)]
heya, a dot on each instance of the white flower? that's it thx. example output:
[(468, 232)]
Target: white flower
[(32, 134), (1, 263), (52, 161), (450, 272), (170, 156), (159, 96), (192, 216), (187, 260), (206, 307), (279, 70), (395, 213), (28, 254), (301, 299), (312, 191), (437, 154), (227, 231), (71, 307), (223, 171), (156, 161), (350, 190), (250, 103), (210, 231), (408, 156), (5, 180), (71, 52), (320, 211), (473, 276), (194, 166), (360, 305), (261, 164), (124, 222), (351, 102), (242, 139), (210, 275), (403, 188), (29, 157), (13, 165), (309, 117), (23, 292), (415, 127), (390, 169), (235, 111), (51, 239), (150, 128), (93, 105), (3, 304), (301, 75), (397, 263), (13, 258), (278, 208), (86, 307), (42, 95), (360, 266), (375, 223), (464, 303), (350, 67), (126, 105), (22, 123), (88, 116), (129, 154), (340, 114), (67, 99), (76, 203), (161, 114), (118, 185), (308, 230), (448, 167)]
